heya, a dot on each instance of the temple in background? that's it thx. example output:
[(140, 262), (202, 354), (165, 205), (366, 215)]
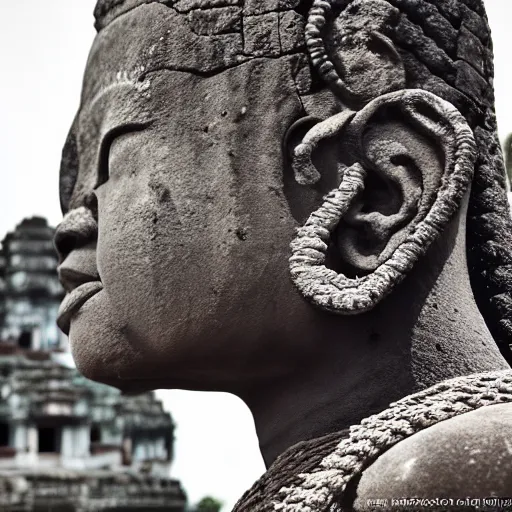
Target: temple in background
[(29, 288), (67, 443)]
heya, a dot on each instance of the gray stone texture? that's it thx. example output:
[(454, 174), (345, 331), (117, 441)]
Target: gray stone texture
[(261, 35), (254, 7), (215, 21), (470, 50), (443, 48), (189, 5), (291, 31), (422, 465), (108, 10)]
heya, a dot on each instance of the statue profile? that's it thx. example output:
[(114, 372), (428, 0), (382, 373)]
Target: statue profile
[(302, 203)]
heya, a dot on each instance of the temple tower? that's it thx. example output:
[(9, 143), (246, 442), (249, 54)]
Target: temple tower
[(30, 288)]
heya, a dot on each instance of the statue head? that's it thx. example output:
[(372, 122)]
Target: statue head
[(243, 177)]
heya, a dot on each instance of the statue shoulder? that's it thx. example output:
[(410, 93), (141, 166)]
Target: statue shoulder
[(469, 455)]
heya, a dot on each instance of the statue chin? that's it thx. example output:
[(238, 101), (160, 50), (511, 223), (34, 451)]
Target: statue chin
[(103, 351), (99, 349)]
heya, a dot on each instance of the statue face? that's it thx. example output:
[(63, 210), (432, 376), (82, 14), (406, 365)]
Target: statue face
[(201, 150), (193, 227)]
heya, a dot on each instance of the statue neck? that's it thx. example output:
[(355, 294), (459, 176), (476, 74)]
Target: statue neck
[(427, 331)]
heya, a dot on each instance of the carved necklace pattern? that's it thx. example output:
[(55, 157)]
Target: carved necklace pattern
[(321, 485)]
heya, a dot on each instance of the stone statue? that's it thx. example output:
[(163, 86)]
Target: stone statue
[(302, 203)]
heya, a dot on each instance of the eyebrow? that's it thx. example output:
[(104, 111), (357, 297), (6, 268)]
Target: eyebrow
[(124, 78), (134, 118), (120, 102)]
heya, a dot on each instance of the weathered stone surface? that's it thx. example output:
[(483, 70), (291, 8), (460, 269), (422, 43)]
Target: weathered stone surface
[(412, 38), (302, 75), (426, 15), (472, 51), (463, 457), (156, 47), (261, 35), (472, 83), (291, 31), (253, 7), (189, 5), (108, 10), (475, 23), (216, 21)]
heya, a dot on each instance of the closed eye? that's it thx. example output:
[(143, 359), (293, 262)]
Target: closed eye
[(106, 144)]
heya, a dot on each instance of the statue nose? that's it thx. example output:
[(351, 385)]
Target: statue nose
[(78, 228)]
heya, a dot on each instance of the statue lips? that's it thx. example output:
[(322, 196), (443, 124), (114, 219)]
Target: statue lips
[(74, 300), (79, 276)]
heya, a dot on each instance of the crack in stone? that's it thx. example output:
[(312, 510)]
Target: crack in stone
[(216, 71)]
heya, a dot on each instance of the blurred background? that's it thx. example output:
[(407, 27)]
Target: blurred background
[(44, 47)]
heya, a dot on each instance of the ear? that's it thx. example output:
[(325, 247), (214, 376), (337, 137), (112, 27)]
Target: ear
[(306, 183), (410, 158), (404, 169)]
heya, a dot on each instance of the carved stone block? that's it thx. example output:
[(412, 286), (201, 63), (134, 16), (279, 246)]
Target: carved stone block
[(261, 35), (475, 23), (291, 31), (471, 50), (216, 21), (253, 7), (471, 83), (189, 5)]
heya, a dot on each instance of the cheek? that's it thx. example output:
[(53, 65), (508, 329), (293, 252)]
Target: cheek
[(158, 261), (131, 257)]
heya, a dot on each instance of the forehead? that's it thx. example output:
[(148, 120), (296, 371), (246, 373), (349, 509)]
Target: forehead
[(146, 61), (201, 37)]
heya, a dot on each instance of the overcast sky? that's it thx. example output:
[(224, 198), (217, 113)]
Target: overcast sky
[(44, 46)]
